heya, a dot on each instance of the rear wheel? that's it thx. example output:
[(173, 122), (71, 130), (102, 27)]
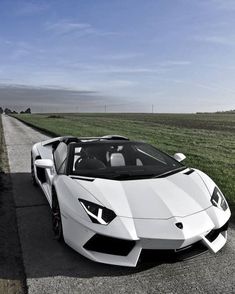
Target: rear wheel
[(33, 173), (56, 220)]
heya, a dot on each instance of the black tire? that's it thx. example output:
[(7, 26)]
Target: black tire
[(56, 219), (33, 173)]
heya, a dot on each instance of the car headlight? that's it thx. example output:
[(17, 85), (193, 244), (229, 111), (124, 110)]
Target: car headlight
[(97, 213), (218, 200)]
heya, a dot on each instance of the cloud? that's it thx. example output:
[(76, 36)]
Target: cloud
[(120, 56), (175, 63), (214, 87), (112, 69), (65, 27), (97, 68), (213, 39), (101, 68), (17, 95)]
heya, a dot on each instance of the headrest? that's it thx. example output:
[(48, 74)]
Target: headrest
[(117, 159)]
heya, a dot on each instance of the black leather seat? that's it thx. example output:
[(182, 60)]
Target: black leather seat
[(89, 163)]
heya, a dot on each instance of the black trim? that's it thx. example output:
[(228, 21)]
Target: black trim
[(172, 172), (215, 233), (109, 245), (70, 139), (83, 179), (41, 174), (170, 256), (189, 172)]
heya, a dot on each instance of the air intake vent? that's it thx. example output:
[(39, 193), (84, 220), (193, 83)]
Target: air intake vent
[(189, 172), (109, 245)]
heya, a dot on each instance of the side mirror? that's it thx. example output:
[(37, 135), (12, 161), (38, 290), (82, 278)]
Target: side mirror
[(179, 156), (44, 163)]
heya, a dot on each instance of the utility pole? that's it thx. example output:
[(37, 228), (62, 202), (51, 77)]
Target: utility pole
[(152, 108)]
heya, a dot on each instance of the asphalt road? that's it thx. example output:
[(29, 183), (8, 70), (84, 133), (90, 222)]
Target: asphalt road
[(51, 267)]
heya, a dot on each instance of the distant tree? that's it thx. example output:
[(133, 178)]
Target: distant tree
[(28, 110), (7, 111), (1, 110), (14, 112)]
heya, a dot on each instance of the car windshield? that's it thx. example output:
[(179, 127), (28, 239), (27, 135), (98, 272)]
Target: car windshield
[(121, 160)]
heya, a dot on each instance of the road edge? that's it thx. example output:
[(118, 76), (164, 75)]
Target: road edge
[(11, 286), (39, 129)]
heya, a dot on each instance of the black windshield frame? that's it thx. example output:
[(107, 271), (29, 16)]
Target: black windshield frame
[(112, 174)]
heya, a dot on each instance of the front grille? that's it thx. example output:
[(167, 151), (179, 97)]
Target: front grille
[(212, 235), (108, 245), (171, 256)]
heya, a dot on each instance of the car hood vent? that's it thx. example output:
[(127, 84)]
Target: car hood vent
[(189, 172)]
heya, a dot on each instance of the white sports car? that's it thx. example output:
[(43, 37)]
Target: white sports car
[(111, 198)]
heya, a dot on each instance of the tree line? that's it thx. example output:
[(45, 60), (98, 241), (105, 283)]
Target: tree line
[(9, 111)]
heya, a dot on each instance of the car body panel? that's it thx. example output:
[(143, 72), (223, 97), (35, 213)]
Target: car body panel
[(152, 198)]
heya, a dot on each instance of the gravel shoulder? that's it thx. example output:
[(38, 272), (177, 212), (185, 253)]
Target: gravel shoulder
[(12, 278), (51, 267)]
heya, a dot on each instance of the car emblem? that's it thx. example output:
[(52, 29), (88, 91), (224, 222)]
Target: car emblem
[(179, 225)]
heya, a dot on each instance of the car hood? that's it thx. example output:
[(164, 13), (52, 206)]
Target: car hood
[(156, 198)]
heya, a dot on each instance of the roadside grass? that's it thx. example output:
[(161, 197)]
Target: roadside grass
[(208, 140)]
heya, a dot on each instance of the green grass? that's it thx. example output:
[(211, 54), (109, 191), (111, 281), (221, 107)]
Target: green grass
[(208, 140)]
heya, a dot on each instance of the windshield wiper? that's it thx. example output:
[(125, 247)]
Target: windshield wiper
[(170, 172)]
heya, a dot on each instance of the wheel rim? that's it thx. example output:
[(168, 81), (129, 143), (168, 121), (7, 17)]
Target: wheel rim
[(56, 221)]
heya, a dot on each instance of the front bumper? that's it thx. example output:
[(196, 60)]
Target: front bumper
[(122, 241)]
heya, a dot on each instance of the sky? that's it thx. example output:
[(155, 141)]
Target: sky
[(118, 55)]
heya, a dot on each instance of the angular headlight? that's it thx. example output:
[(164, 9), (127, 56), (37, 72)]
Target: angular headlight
[(218, 200), (97, 213)]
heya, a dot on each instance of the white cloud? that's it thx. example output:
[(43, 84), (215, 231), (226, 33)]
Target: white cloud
[(214, 87), (121, 56), (112, 69), (65, 27), (213, 39), (170, 63)]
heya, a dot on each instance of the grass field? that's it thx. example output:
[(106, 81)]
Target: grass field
[(208, 140)]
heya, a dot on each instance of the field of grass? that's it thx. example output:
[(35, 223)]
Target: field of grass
[(208, 140)]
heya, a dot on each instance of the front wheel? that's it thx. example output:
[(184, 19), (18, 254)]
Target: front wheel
[(56, 220)]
